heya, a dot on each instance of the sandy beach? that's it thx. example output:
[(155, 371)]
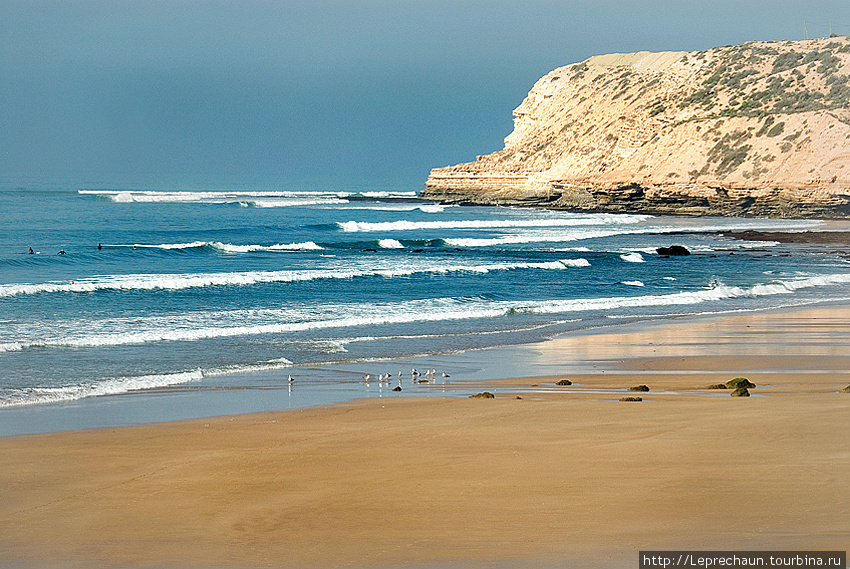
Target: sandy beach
[(540, 476)]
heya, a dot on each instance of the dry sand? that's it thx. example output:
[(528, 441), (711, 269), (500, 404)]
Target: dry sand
[(563, 477)]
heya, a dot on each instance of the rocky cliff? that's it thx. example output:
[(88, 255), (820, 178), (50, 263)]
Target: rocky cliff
[(760, 129)]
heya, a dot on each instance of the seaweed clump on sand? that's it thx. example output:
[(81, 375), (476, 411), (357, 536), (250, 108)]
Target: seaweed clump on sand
[(741, 392), (739, 382), (483, 395), (741, 386)]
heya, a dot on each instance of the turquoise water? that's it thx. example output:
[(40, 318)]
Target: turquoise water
[(200, 290)]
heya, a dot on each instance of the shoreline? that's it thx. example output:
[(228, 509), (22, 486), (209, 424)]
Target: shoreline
[(540, 476), (473, 369), (341, 382)]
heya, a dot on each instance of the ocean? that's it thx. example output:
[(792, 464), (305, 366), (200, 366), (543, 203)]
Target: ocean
[(189, 295)]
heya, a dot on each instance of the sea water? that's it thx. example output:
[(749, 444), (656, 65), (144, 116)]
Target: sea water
[(128, 291)]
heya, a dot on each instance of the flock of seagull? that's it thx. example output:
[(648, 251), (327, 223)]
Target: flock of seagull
[(384, 378), (415, 376)]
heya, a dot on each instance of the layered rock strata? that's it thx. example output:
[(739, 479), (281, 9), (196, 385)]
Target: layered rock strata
[(757, 129)]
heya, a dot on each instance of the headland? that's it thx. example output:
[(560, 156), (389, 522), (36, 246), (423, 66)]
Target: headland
[(757, 129)]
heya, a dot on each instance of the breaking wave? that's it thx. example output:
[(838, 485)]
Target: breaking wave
[(243, 198), (198, 280), (228, 247), (403, 225), (192, 327), (114, 386)]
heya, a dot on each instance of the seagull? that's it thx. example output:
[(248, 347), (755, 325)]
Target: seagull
[(445, 374), (291, 379)]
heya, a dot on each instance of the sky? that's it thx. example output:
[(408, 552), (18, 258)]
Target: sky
[(220, 94)]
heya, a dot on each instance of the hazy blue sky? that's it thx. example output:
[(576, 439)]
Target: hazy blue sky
[(166, 93)]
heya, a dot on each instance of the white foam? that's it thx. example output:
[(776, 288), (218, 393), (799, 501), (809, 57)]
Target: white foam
[(230, 248), (244, 198), (575, 262), (169, 246), (397, 207), (198, 280), (31, 396), (633, 258), (405, 225), (193, 327), (572, 250), (35, 395), (531, 237), (293, 202), (385, 194), (632, 283), (434, 208), (279, 363), (390, 244)]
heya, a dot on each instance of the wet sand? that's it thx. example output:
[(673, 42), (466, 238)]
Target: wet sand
[(540, 476)]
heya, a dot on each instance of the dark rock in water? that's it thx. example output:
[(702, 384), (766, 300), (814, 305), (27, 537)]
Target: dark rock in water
[(673, 251), (739, 382), (631, 399), (717, 386), (397, 388), (740, 392), (639, 388), (484, 395), (846, 389), (564, 382)]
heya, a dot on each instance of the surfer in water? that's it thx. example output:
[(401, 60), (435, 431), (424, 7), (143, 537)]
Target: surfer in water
[(31, 251)]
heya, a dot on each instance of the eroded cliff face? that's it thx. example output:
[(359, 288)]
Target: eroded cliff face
[(761, 129)]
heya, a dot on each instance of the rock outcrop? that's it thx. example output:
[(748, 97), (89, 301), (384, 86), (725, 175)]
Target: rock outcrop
[(758, 129)]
